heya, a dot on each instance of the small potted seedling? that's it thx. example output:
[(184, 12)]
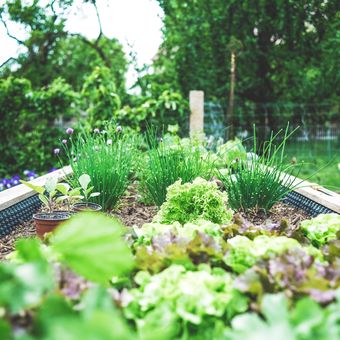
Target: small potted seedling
[(69, 195), (46, 222), (86, 191)]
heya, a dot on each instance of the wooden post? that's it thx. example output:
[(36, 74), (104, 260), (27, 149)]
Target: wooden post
[(196, 99), (230, 111)]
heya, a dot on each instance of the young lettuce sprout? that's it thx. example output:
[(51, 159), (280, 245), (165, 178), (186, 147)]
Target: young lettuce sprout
[(86, 191), (47, 192)]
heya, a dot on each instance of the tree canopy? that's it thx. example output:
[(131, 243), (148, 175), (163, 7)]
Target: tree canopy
[(288, 48), (50, 51)]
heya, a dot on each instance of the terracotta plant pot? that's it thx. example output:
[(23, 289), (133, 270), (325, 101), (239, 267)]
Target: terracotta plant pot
[(87, 206), (47, 222)]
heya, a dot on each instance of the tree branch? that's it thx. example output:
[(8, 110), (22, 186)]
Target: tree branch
[(20, 42), (96, 47), (99, 21), (7, 61)]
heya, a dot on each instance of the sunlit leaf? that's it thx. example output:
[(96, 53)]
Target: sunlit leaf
[(91, 244)]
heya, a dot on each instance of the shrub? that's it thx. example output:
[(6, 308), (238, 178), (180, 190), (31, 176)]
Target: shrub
[(27, 130), (322, 229), (166, 163), (163, 110), (263, 179), (190, 202), (100, 98), (107, 158)]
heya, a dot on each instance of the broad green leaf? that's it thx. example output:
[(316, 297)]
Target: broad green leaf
[(61, 199), (5, 329), (102, 325), (37, 188), (51, 184), (275, 308), (74, 192), (52, 193), (95, 194), (43, 199), (63, 188), (91, 244), (84, 181), (89, 190), (26, 281)]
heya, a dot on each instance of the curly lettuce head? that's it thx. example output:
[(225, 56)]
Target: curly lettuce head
[(244, 253), (189, 202), (192, 296), (322, 229)]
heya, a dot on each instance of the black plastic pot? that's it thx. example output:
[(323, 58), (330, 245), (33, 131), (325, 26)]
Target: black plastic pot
[(87, 206), (47, 222)]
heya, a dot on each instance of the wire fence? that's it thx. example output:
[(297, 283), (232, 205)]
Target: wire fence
[(314, 122)]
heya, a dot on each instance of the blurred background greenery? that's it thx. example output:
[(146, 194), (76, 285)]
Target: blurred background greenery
[(284, 52)]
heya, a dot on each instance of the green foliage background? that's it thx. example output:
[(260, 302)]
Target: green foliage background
[(286, 51)]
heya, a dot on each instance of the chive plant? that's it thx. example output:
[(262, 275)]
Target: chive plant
[(107, 159), (264, 178), (166, 163)]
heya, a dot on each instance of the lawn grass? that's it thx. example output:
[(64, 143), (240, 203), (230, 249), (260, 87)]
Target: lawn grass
[(320, 161)]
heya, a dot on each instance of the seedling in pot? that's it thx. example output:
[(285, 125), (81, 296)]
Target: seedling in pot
[(47, 193), (86, 193), (69, 195), (47, 222)]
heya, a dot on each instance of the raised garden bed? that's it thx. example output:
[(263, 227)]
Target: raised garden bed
[(191, 268)]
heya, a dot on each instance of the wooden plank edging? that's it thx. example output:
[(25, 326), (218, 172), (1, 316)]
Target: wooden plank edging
[(316, 193), (20, 192)]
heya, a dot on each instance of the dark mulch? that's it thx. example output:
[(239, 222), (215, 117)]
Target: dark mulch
[(25, 230), (278, 212), (132, 212)]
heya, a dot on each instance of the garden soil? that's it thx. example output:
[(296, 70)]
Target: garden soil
[(132, 212)]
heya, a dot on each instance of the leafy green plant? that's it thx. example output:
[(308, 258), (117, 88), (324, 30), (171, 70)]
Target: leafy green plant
[(167, 163), (244, 253), (99, 93), (212, 296), (322, 229), (91, 245), (33, 110), (294, 270), (186, 232), (47, 193), (262, 180), (107, 159), (69, 195), (84, 181), (232, 150), (190, 202), (306, 320), (77, 239)]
